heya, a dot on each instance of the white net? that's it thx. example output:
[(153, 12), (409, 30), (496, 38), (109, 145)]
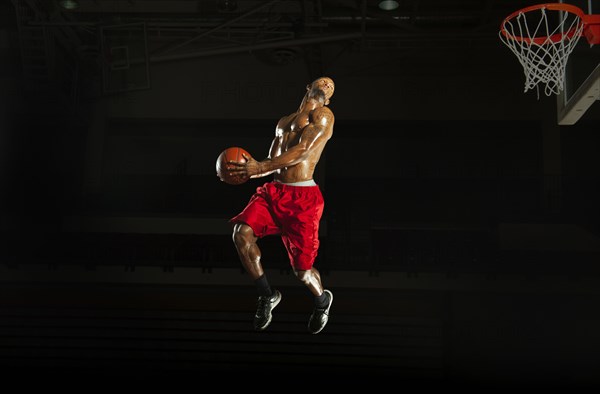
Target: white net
[(542, 39)]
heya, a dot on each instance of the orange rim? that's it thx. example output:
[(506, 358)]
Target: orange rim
[(550, 6)]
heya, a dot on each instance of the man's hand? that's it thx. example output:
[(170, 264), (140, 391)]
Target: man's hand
[(250, 169)]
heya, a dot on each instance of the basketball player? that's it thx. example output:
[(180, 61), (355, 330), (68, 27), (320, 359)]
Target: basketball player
[(290, 205)]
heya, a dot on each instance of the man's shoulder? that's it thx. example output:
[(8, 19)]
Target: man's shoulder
[(323, 112)]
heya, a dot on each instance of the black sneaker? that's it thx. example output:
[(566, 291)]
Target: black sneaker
[(263, 315), (320, 316)]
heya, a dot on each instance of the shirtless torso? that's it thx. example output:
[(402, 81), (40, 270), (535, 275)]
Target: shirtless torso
[(299, 139), (309, 130)]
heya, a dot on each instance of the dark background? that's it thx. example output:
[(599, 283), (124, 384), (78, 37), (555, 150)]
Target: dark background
[(461, 228)]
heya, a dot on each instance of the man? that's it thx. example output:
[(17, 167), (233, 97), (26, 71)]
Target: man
[(291, 205)]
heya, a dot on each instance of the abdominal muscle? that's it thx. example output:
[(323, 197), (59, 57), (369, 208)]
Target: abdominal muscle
[(300, 172)]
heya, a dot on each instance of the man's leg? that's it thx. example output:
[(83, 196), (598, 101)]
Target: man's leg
[(323, 299), (249, 253)]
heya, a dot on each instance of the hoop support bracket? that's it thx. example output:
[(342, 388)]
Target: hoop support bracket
[(591, 30)]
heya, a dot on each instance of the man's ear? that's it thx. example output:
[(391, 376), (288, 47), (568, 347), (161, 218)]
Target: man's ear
[(327, 102)]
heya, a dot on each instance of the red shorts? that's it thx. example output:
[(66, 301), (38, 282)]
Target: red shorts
[(292, 211)]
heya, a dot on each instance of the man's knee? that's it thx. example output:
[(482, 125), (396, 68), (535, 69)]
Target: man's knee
[(304, 276), (242, 234)]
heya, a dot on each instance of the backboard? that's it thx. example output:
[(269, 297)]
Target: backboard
[(582, 75)]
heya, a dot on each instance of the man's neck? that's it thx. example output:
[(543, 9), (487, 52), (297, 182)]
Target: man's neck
[(309, 105)]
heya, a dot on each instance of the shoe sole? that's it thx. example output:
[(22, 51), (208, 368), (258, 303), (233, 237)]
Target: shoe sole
[(326, 311), (270, 316)]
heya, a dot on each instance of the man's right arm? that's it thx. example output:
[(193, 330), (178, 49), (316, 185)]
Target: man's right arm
[(275, 144), (273, 149)]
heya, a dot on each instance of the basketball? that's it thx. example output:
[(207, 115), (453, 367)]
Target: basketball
[(233, 153)]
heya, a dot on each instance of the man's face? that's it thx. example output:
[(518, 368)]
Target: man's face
[(326, 85)]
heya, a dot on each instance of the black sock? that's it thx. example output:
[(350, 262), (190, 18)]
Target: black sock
[(322, 301), (262, 286)]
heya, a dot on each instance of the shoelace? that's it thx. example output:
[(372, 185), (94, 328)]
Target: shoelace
[(263, 302)]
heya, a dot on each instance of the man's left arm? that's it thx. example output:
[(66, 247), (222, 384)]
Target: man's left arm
[(314, 136)]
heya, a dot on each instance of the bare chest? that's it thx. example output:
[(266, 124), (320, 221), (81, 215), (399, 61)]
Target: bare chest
[(291, 130), (296, 123)]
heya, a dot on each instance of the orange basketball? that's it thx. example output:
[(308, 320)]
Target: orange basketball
[(233, 153)]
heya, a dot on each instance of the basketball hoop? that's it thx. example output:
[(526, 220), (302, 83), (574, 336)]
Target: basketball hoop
[(543, 36)]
